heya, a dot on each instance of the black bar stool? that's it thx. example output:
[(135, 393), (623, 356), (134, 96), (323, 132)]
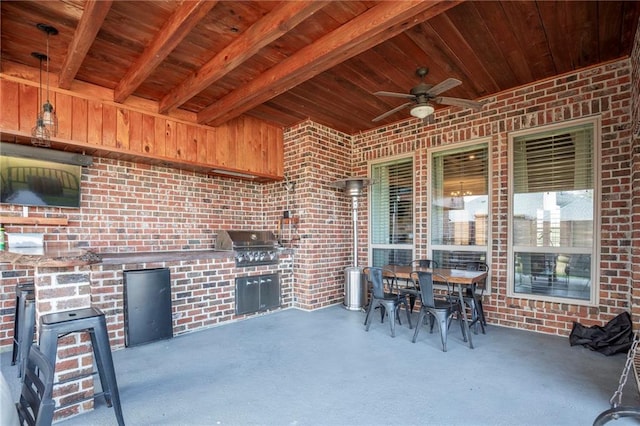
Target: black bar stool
[(23, 322), (91, 320)]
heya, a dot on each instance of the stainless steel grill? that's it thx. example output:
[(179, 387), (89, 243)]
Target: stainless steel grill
[(251, 247)]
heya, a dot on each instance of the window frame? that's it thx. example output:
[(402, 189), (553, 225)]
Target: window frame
[(370, 231), (430, 196), (594, 298)]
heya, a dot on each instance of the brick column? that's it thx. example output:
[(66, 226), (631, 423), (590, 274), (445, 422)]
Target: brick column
[(63, 289)]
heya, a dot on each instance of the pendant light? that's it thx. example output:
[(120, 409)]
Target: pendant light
[(49, 117), (46, 119), (40, 135)]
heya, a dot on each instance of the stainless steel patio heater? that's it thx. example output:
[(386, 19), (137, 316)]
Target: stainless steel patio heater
[(355, 291)]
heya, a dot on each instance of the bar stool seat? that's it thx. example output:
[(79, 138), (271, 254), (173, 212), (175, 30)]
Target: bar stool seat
[(23, 324), (91, 320)]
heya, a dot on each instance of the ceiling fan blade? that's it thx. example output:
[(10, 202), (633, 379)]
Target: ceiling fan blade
[(447, 84), (395, 95), (393, 111), (465, 103)]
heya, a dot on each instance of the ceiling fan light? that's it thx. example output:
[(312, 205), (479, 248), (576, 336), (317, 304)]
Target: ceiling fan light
[(422, 111)]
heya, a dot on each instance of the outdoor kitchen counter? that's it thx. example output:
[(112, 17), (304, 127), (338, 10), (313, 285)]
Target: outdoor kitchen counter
[(65, 257), (51, 257), (163, 256)]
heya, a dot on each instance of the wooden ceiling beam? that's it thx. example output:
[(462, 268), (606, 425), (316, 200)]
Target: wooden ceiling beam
[(172, 33), (92, 17), (276, 23), (376, 25)]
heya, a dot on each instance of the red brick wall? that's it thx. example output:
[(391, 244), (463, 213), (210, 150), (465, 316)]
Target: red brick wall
[(316, 156), (202, 292), (136, 207), (604, 90), (325, 248)]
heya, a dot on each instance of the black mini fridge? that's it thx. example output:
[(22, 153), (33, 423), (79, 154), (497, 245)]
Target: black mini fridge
[(147, 306)]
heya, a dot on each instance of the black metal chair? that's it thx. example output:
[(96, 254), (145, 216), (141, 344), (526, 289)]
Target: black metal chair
[(436, 308), (385, 295), (412, 290), (423, 263), (474, 300), (36, 405)]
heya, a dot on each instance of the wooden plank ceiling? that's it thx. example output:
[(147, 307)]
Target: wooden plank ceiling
[(284, 62)]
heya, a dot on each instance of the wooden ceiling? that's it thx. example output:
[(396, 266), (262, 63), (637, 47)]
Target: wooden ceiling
[(284, 62)]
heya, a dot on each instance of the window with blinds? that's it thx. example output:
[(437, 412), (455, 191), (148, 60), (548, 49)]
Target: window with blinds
[(553, 161), (391, 212), (459, 204), (553, 210)]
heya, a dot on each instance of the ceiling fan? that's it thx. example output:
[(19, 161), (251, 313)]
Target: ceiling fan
[(424, 96)]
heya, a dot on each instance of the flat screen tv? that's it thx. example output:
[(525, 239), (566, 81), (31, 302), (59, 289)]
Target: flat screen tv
[(36, 182)]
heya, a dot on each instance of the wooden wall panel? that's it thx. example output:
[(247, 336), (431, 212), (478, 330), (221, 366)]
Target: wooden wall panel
[(210, 142), (181, 144), (10, 101), (160, 134), (222, 149), (245, 143), (122, 128), (170, 142), (28, 104), (201, 156), (109, 119), (94, 122), (148, 134), (64, 110), (191, 144), (135, 131), (79, 119)]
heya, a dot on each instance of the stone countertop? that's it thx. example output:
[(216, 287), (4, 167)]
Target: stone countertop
[(66, 257), (162, 256), (52, 257)]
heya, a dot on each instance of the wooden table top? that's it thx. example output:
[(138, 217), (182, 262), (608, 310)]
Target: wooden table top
[(454, 276)]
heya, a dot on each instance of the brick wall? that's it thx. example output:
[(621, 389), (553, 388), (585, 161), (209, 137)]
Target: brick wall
[(202, 292), (603, 90), (127, 207), (316, 156), (136, 207)]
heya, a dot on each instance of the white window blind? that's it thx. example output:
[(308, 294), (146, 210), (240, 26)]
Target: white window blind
[(554, 161), (392, 203), (391, 212)]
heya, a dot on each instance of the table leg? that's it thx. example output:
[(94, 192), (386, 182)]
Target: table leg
[(464, 316)]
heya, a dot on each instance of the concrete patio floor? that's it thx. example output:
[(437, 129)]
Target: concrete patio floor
[(321, 368)]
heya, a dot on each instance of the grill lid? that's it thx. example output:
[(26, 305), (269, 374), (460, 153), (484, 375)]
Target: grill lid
[(238, 240)]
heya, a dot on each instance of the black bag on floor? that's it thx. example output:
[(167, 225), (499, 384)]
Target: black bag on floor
[(615, 337)]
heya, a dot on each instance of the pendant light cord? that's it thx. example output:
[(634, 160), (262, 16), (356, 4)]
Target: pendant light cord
[(47, 59)]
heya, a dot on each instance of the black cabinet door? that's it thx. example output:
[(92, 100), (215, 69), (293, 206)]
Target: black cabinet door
[(147, 306)]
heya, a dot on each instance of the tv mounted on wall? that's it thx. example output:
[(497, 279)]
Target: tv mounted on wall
[(40, 177)]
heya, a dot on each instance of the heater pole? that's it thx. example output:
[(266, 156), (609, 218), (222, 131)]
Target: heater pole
[(355, 291), (354, 201)]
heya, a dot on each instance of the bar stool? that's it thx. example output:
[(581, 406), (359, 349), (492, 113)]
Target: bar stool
[(23, 322), (91, 320)]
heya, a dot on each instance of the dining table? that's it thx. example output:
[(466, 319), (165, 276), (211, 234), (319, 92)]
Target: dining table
[(461, 278)]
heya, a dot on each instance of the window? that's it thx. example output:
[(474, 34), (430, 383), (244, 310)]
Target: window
[(552, 228), (459, 205), (391, 217)]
